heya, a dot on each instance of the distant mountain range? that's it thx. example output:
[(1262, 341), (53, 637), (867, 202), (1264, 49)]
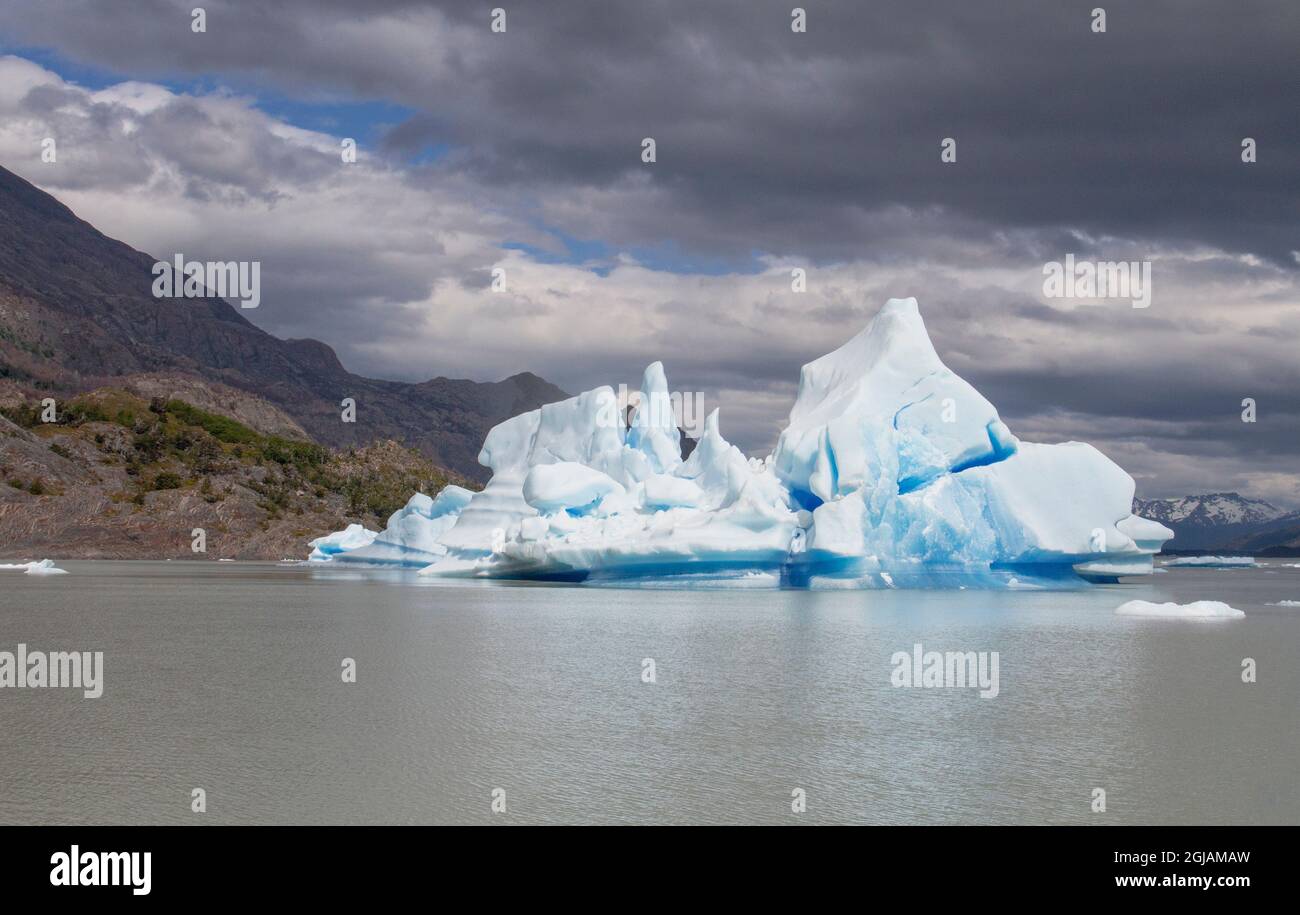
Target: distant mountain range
[(1225, 521), (77, 313), (1211, 510)]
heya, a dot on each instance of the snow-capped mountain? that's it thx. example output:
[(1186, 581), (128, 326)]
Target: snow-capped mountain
[(1209, 510), (1209, 521)]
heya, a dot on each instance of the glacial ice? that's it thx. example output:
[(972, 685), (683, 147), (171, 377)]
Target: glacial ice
[(350, 538), (1196, 610), (42, 567), (892, 472), (409, 539), (1214, 562)]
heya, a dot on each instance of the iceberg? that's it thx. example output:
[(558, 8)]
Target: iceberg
[(1196, 610), (409, 539), (885, 403), (42, 567), (1214, 562), (350, 538), (892, 472)]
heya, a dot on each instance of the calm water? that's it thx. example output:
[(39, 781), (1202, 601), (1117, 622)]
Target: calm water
[(226, 676)]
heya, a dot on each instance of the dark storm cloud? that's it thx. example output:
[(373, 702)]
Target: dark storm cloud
[(780, 142), (820, 149)]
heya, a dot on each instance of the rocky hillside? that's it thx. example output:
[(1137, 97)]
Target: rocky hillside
[(77, 312), (1279, 537), (119, 476)]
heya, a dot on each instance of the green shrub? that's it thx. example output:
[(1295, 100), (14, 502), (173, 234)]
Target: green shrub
[(166, 480), (27, 415), (300, 454), (220, 427)]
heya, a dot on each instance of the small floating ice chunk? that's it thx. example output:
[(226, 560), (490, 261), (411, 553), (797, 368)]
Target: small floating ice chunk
[(1286, 603), (44, 567), (1215, 562), (352, 537), (1200, 609)]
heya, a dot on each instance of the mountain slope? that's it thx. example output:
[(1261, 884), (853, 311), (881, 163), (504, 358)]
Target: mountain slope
[(1279, 537), (119, 476), (77, 311), (1216, 508), (1208, 521)]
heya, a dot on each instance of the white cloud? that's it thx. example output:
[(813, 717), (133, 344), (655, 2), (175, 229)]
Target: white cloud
[(392, 267)]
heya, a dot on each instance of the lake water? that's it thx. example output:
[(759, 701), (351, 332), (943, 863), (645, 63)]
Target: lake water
[(227, 677)]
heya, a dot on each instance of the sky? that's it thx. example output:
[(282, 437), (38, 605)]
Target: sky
[(774, 149)]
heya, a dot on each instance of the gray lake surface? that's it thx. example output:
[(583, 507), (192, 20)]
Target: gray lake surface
[(227, 677)]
